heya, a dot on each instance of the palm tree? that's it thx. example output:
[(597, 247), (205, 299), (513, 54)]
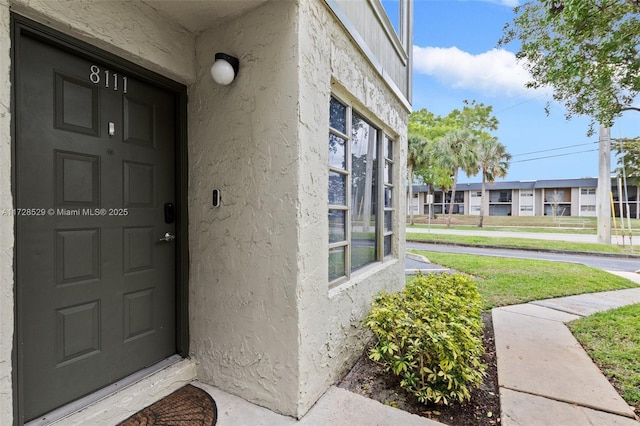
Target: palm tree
[(493, 160), (416, 155), (457, 150)]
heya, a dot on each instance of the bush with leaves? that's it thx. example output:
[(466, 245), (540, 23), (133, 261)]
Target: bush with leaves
[(430, 335)]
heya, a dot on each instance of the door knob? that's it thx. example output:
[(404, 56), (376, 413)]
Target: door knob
[(168, 236)]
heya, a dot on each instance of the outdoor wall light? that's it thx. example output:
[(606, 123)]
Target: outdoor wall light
[(224, 69)]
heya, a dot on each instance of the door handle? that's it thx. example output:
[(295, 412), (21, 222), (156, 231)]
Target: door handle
[(168, 236)]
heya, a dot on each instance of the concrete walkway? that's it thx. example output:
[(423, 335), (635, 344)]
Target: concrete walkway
[(545, 376)]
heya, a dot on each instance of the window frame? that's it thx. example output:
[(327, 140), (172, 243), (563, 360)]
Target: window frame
[(383, 137)]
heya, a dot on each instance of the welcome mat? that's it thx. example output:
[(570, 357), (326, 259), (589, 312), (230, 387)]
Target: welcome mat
[(188, 406)]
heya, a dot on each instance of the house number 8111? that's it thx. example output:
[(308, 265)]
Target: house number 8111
[(97, 75)]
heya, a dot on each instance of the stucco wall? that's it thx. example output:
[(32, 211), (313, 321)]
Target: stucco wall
[(131, 30), (243, 140), (331, 336), (6, 222)]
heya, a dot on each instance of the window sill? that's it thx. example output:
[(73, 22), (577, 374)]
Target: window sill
[(361, 275)]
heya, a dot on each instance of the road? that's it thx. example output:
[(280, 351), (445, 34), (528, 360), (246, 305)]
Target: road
[(578, 238), (611, 263)]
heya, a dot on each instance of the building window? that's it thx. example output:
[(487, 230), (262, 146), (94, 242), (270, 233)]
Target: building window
[(588, 191), (526, 208), (526, 194), (588, 208), (476, 194), (360, 228)]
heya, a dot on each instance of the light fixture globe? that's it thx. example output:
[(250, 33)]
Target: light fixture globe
[(224, 69)]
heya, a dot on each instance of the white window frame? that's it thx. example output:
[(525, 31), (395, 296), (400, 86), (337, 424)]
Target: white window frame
[(381, 209)]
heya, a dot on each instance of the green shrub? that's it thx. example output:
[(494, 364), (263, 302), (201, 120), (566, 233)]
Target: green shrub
[(430, 335)]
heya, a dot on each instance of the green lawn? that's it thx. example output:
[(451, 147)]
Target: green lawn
[(505, 281), (612, 339), (521, 243)]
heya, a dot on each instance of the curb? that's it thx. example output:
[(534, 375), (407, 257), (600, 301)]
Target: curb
[(584, 253)]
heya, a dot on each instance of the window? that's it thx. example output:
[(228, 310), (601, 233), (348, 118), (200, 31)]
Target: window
[(526, 208), (588, 208), (360, 228), (526, 194), (588, 191), (476, 194), (392, 7)]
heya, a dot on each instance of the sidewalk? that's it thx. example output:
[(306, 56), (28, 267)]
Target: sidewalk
[(545, 376)]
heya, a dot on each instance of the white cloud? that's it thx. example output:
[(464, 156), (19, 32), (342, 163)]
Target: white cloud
[(495, 72)]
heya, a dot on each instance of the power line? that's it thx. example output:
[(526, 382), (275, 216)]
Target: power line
[(554, 149), (553, 156)]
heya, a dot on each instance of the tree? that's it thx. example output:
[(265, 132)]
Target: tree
[(416, 155), (587, 51), (493, 162), (455, 151), (443, 156), (628, 151)]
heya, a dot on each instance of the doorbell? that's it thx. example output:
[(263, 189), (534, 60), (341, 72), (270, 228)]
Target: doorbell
[(216, 198)]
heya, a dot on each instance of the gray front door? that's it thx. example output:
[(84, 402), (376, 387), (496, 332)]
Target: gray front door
[(95, 192)]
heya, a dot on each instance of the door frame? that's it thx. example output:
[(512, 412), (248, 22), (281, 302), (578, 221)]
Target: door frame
[(21, 26)]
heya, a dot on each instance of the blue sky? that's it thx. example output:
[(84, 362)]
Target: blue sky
[(456, 57)]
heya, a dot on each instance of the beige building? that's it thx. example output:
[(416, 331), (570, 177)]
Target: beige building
[(158, 227), (567, 197)]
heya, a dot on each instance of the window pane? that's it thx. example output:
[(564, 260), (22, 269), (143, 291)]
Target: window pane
[(336, 263), (363, 193), (388, 197), (392, 7), (387, 245), (337, 189), (387, 220), (338, 115), (337, 152), (388, 149), (388, 172), (337, 225), (363, 248)]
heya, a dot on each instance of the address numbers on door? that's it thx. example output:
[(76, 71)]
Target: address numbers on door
[(108, 78)]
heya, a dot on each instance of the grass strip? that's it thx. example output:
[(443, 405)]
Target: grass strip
[(612, 339), (506, 281)]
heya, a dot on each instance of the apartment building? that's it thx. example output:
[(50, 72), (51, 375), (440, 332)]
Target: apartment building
[(559, 197)]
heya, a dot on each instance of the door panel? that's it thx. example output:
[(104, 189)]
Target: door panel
[(96, 287)]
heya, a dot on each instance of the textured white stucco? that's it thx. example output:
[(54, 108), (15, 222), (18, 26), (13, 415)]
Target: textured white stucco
[(129, 29), (330, 332), (6, 222), (243, 140)]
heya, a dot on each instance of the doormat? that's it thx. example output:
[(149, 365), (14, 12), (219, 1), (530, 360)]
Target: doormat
[(188, 406)]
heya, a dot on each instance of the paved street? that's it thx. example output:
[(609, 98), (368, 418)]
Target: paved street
[(613, 263)]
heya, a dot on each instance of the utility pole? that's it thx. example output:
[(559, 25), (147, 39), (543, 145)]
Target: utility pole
[(603, 201)]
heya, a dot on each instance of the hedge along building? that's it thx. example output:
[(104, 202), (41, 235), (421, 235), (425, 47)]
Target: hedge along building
[(100, 149)]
